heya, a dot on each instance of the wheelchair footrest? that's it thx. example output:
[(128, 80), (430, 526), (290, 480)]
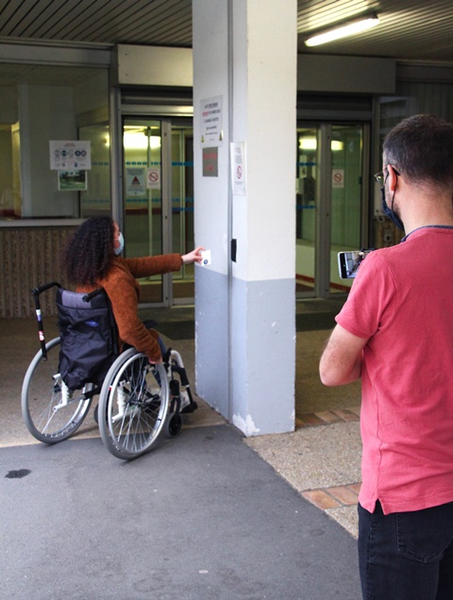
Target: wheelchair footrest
[(190, 408), (188, 405)]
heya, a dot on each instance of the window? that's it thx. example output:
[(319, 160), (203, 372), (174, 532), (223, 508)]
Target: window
[(50, 103)]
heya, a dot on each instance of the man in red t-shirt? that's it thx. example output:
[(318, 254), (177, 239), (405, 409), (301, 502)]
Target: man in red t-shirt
[(396, 332)]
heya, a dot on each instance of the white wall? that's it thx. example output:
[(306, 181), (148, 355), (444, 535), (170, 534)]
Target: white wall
[(46, 113), (263, 221)]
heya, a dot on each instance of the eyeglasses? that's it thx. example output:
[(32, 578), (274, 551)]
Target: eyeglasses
[(380, 178), (382, 175)]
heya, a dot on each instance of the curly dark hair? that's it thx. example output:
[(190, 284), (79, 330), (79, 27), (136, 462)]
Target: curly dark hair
[(89, 253)]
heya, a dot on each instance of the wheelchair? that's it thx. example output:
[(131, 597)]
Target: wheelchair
[(137, 400)]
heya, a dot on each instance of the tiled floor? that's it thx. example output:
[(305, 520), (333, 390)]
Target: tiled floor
[(326, 417), (337, 496), (334, 497)]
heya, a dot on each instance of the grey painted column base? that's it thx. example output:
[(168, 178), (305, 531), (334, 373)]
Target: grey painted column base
[(245, 359), (211, 339)]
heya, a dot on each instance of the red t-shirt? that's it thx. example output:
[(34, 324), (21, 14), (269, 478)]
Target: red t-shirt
[(402, 302)]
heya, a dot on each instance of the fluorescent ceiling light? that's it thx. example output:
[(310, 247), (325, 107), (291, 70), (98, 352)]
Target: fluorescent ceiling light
[(136, 140), (310, 143), (342, 31), (307, 143)]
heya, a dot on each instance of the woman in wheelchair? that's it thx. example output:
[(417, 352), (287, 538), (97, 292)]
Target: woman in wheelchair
[(140, 393), (92, 259)]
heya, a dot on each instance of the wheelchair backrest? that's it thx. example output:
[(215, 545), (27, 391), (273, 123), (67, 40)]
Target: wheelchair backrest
[(89, 338)]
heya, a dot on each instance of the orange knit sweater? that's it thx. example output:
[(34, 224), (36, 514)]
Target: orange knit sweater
[(124, 292)]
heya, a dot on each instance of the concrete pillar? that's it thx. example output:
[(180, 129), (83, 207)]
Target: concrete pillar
[(244, 54)]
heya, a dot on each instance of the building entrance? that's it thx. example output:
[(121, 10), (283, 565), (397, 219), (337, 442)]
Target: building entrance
[(331, 205), (331, 201), (158, 200)]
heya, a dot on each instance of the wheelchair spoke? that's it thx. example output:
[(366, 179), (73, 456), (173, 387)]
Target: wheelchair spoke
[(135, 397), (50, 412)]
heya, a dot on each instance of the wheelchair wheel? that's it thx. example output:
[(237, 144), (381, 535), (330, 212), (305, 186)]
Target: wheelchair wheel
[(173, 424), (51, 412), (134, 399)]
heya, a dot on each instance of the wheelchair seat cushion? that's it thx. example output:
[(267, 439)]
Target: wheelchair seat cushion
[(88, 338)]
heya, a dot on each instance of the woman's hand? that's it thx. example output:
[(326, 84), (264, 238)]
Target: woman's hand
[(156, 362), (194, 256)]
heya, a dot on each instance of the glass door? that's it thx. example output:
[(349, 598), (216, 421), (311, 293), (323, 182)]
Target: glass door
[(330, 204), (182, 206), (347, 198), (143, 204), (306, 209), (158, 201)]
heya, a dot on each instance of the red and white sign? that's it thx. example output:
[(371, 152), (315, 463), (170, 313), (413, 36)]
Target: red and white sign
[(338, 178), (238, 168), (153, 179)]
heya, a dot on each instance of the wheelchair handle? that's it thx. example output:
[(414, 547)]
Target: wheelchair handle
[(35, 292), (43, 288), (92, 294)]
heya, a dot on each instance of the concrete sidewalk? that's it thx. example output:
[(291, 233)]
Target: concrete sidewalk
[(206, 515), (200, 517)]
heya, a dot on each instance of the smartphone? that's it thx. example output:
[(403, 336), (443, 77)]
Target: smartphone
[(349, 262)]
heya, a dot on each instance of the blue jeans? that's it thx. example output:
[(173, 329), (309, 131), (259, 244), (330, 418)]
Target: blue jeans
[(162, 347), (408, 555)]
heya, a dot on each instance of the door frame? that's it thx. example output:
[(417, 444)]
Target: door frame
[(167, 237), (118, 206), (131, 103), (322, 243)]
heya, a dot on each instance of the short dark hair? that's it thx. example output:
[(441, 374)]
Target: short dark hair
[(89, 253), (421, 148)]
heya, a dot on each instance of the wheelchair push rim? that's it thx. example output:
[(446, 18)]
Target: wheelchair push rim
[(133, 405), (50, 411)]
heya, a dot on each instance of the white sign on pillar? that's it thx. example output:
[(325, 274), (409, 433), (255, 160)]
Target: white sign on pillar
[(238, 172), (212, 122)]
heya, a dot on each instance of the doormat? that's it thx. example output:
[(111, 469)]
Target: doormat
[(185, 330), (177, 330), (315, 321)]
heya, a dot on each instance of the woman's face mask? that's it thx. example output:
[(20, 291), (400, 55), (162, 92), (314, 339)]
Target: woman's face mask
[(121, 244)]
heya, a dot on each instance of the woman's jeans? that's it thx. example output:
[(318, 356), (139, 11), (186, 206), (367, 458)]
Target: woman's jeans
[(408, 555), (162, 347)]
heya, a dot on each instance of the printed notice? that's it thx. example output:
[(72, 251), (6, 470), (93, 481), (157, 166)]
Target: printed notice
[(153, 178), (135, 181), (210, 162), (237, 155), (212, 122), (70, 155), (338, 178), (72, 181)]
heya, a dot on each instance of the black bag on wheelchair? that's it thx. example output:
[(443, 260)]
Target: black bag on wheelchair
[(89, 339)]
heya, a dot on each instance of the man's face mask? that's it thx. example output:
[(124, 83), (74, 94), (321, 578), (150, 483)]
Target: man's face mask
[(389, 212)]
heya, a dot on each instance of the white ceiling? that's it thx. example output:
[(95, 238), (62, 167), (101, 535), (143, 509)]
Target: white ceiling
[(409, 29)]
